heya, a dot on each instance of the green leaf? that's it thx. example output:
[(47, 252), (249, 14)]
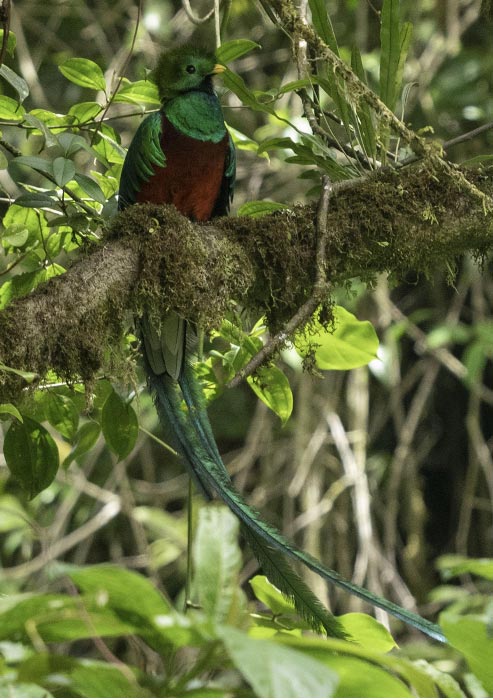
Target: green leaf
[(41, 127), (271, 596), (84, 440), (27, 376), (275, 671), (231, 50), (395, 39), (41, 165), (130, 595), (352, 344), (260, 208), (368, 632), (16, 236), (217, 561), (83, 72), (272, 386), (91, 187), (322, 24), (12, 514), (120, 425), (357, 677), (323, 650), (98, 680), (37, 200), (11, 41), (63, 170), (31, 455), (14, 689), (10, 110), (62, 413), (84, 112), (471, 635), (140, 92), (452, 565), (18, 83), (445, 682), (366, 127), (10, 409), (237, 85)]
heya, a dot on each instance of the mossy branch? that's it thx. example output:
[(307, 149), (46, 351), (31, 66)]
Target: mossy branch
[(154, 257)]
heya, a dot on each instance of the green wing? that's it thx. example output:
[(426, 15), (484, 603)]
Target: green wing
[(143, 154)]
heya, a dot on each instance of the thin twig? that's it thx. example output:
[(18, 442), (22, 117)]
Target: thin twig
[(5, 22)]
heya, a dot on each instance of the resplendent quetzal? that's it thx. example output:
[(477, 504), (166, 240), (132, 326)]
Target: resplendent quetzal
[(183, 155)]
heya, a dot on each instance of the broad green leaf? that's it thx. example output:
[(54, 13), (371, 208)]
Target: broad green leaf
[(18, 83), (31, 455), (235, 48), (120, 425), (140, 92), (15, 236), (91, 187), (37, 200), (260, 208), (129, 594), (27, 376), (445, 682), (72, 143), (271, 596), (357, 677), (217, 561), (58, 618), (272, 386), (10, 110), (10, 409), (452, 565), (63, 170), (84, 440), (368, 632), (62, 413), (84, 112), (352, 344), (4, 163), (323, 650), (16, 689), (41, 165), (12, 514), (84, 72), (41, 127), (275, 671), (471, 635), (98, 680)]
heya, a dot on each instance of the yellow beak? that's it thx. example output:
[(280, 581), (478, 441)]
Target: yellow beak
[(218, 68)]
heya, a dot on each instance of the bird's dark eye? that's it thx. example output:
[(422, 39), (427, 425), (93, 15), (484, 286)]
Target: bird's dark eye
[(190, 69)]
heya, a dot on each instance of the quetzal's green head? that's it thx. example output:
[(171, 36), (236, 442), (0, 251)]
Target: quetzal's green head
[(185, 69)]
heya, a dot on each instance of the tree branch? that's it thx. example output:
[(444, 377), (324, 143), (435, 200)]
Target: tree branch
[(418, 219)]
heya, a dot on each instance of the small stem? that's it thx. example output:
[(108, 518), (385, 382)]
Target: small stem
[(188, 582)]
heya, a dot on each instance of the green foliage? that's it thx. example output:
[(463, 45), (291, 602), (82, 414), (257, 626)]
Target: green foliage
[(238, 651)]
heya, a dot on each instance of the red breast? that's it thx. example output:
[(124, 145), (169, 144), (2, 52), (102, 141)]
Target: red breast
[(192, 177)]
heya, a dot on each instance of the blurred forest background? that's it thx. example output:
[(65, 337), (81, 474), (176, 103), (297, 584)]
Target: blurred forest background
[(382, 472)]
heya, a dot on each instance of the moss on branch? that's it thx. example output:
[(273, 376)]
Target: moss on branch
[(154, 257)]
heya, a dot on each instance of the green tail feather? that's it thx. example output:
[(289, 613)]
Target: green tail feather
[(198, 445)]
